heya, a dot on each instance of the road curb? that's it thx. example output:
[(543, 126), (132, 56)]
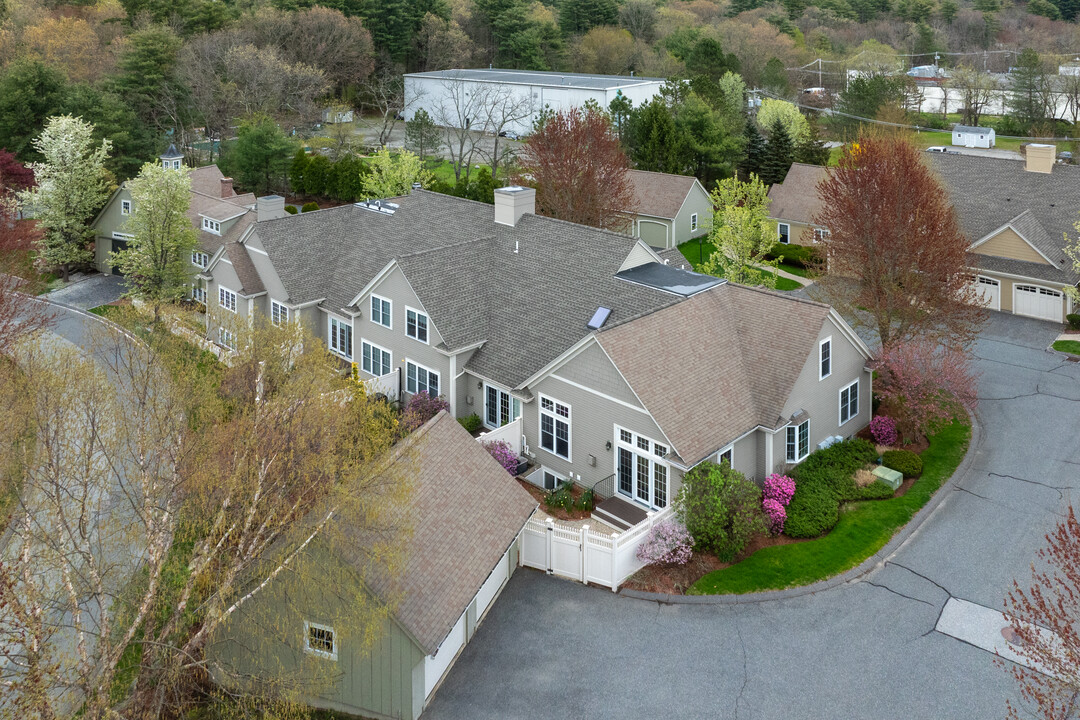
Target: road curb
[(855, 573)]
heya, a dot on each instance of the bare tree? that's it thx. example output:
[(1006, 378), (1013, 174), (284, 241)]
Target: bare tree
[(1069, 87), (460, 107), (505, 110), (384, 92), (976, 90)]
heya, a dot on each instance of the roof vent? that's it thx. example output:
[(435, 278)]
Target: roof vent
[(599, 318), (417, 186), (383, 207)]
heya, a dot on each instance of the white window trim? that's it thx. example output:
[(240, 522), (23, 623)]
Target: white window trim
[(121, 236), (521, 405), (653, 458), (821, 346), (840, 400), (197, 255), (279, 307), (222, 290), (198, 293), (569, 420), (808, 450), (780, 234), (365, 341), (332, 655), (211, 226), (389, 313), (330, 319), (724, 451), (693, 222), (125, 207), (222, 334), (427, 325), (430, 372)]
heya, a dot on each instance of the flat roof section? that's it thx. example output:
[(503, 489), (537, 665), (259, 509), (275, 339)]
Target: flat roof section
[(541, 78), (669, 279)]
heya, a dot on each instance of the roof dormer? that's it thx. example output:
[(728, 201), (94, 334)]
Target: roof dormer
[(172, 159)]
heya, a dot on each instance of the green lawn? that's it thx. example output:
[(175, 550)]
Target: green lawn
[(795, 270), (1067, 346), (693, 253), (864, 528), (443, 170)]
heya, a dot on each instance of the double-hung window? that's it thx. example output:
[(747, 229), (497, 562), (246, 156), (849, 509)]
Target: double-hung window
[(125, 207), (198, 293), (849, 402), (227, 299), (320, 640), (420, 379), (555, 427), (783, 233), (228, 339), (374, 359), (380, 311), (825, 358), (341, 338), (279, 314), (798, 441), (211, 226), (693, 221), (200, 258), (416, 324), (500, 407)]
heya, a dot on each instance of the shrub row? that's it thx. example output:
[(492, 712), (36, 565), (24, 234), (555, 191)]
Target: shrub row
[(801, 255), (824, 480)]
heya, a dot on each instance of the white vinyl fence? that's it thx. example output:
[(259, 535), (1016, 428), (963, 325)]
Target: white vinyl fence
[(582, 555), (510, 433), (384, 384)]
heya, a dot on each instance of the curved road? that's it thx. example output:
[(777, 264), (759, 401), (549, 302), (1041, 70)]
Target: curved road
[(867, 649)]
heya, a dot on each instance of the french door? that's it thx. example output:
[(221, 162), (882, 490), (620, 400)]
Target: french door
[(641, 472)]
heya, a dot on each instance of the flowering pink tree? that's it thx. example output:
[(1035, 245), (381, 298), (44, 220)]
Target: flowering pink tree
[(923, 384), (668, 543), (421, 408)]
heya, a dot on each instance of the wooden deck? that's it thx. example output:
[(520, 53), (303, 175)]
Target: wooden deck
[(619, 513)]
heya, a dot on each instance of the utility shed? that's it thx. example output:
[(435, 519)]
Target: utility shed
[(465, 97), (973, 137), (466, 514)]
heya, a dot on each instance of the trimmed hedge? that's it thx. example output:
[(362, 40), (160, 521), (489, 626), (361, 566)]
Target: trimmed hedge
[(801, 255), (1074, 321), (309, 206), (824, 480), (876, 490), (903, 461), (291, 209)]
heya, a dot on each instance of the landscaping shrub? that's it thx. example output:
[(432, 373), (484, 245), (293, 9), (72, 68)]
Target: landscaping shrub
[(883, 430), (903, 461), (720, 508), (291, 209), (560, 497), (501, 451), (473, 423), (800, 255), (822, 481), (776, 514), (1074, 321), (876, 490), (309, 206), (668, 543), (779, 488), (421, 408), (585, 502), (813, 511)]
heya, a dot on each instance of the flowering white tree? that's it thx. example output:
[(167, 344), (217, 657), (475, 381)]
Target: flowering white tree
[(71, 185), (157, 262)]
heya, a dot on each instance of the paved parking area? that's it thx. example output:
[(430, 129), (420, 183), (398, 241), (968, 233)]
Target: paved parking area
[(91, 292), (868, 649)]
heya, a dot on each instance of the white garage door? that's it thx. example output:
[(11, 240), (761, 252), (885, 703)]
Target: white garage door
[(1036, 301), (988, 291)]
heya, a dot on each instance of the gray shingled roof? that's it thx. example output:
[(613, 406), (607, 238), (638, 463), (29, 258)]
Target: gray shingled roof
[(972, 129), (743, 372), (465, 511), (659, 194), (796, 199)]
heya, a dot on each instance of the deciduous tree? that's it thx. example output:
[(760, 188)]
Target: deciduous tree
[(579, 170), (897, 256), (923, 384), (393, 175), (741, 233), (71, 186), (771, 111), (976, 90), (157, 263)]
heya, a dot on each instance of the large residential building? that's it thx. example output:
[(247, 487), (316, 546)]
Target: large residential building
[(465, 98), (624, 367)]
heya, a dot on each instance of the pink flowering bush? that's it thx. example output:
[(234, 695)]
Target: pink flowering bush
[(501, 451), (780, 488), (776, 515), (668, 543), (420, 408), (883, 430)]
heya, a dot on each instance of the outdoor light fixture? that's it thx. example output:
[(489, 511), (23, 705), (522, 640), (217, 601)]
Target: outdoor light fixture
[(480, 385), (607, 446)]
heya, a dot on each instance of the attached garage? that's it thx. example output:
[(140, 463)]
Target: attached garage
[(988, 291), (1038, 302)]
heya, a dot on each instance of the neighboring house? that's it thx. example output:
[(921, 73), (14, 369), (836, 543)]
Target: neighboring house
[(669, 209), (220, 215), (1017, 214), (973, 137), (466, 515), (795, 203), (445, 94), (509, 315)]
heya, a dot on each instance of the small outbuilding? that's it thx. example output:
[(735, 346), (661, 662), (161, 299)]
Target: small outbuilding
[(973, 137)]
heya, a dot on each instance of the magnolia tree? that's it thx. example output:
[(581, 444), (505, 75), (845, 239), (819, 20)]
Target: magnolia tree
[(897, 257), (71, 185), (741, 233), (393, 175), (923, 384), (157, 262), (1045, 623)]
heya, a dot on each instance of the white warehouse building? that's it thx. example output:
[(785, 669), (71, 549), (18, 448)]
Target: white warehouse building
[(456, 98)]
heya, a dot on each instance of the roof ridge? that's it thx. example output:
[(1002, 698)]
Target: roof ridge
[(778, 293), (612, 233), (657, 172), (458, 243)]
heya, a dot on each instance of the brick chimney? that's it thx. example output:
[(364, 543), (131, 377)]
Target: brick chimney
[(512, 202), (227, 188), (1039, 157)]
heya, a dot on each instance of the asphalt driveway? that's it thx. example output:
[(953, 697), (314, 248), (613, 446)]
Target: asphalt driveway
[(868, 649), (95, 290)]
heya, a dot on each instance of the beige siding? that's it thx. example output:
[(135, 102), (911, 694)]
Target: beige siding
[(821, 398), (639, 255), (697, 201), (799, 234), (1009, 244)]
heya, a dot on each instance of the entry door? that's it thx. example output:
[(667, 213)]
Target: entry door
[(641, 472), (1038, 302)]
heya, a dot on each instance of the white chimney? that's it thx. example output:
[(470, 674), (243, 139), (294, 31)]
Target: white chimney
[(1039, 157), (512, 202), (270, 207)]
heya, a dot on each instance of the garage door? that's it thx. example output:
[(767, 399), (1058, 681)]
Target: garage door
[(1038, 302), (988, 291)]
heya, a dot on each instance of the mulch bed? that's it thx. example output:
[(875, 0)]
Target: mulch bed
[(557, 513)]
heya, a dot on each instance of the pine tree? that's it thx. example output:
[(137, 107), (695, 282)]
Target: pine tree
[(755, 151), (779, 154), (422, 135), (813, 150)]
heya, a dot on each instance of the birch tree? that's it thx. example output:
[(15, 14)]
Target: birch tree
[(157, 262), (71, 185), (741, 233)]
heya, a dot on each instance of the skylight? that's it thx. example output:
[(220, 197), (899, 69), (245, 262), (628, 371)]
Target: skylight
[(599, 318)]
